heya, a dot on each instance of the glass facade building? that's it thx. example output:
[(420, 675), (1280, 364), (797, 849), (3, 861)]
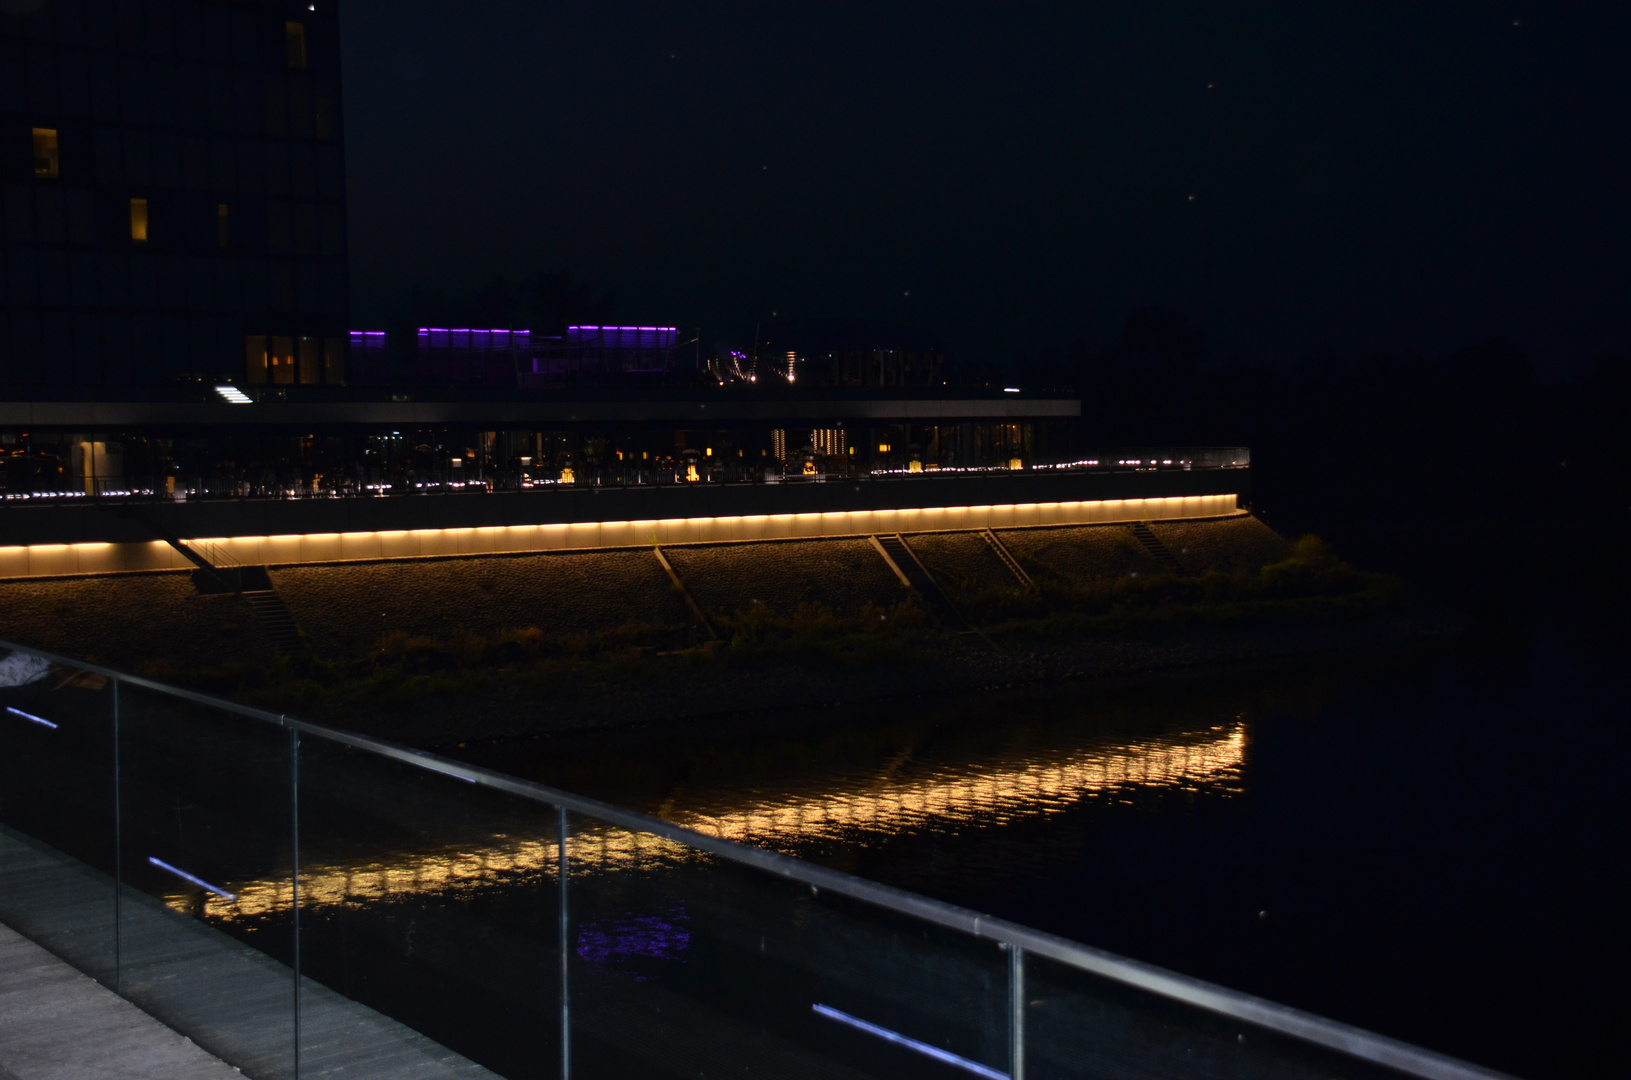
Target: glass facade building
[(173, 249), (172, 193)]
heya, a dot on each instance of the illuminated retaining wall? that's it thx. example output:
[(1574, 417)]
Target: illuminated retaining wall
[(56, 560)]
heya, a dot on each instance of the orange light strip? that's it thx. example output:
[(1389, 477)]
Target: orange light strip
[(55, 560)]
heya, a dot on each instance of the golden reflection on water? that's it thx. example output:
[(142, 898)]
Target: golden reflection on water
[(997, 795), (847, 808)]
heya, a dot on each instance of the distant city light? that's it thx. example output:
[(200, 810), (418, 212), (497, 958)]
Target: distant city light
[(1010, 389), (234, 395)]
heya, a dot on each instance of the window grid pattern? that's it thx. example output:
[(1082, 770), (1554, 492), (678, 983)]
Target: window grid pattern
[(196, 108)]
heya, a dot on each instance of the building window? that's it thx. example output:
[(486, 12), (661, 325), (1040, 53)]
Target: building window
[(46, 162), (223, 227), (334, 361), (828, 442), (255, 359), (280, 360), (296, 35), (138, 221), (311, 360)]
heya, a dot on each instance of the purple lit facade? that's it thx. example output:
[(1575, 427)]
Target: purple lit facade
[(623, 337), (431, 337), (519, 358)]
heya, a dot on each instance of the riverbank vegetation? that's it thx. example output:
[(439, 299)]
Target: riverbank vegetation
[(860, 652)]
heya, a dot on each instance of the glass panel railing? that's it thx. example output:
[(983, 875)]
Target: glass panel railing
[(686, 964), (1079, 1024), (206, 928), (58, 829), (303, 902), (433, 903)]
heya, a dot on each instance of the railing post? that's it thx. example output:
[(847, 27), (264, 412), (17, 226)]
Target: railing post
[(1016, 1012), (118, 853), (561, 869), (294, 878)]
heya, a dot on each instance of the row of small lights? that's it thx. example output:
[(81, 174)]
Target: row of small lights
[(1083, 464), (10, 495), (540, 482)]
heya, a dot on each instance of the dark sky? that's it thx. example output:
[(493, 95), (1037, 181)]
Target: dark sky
[(1366, 178)]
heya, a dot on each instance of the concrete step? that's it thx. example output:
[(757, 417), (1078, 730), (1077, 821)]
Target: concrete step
[(276, 621)]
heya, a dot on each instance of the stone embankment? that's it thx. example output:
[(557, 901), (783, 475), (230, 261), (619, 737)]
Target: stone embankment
[(619, 644)]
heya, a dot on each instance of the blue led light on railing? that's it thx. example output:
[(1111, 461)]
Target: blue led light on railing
[(31, 716), (911, 1044), (184, 876)]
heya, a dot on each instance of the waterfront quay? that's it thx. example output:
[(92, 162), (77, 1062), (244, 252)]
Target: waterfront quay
[(52, 537)]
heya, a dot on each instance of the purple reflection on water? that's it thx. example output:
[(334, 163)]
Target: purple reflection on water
[(625, 941)]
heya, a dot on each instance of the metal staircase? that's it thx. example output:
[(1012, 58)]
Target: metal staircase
[(218, 572), (915, 577), (1158, 551), (277, 622), (1008, 560)]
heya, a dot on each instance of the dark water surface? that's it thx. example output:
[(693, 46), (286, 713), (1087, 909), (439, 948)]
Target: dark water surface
[(1430, 844)]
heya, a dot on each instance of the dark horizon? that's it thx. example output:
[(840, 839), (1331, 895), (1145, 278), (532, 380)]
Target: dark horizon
[(1367, 180)]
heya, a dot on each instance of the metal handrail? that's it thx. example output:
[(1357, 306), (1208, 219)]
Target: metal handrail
[(1198, 993)]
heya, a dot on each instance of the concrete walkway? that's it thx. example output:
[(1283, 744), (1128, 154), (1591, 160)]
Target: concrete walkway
[(57, 1024), (231, 997)]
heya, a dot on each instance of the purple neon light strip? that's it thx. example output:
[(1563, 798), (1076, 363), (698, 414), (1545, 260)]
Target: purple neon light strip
[(184, 876), (457, 330), (911, 1044), (31, 716), (669, 329)]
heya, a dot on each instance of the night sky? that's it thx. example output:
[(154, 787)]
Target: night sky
[(1013, 179)]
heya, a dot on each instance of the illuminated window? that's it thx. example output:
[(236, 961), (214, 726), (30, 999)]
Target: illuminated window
[(296, 35), (828, 442), (46, 162), (138, 221), (883, 448), (280, 359), (223, 227)]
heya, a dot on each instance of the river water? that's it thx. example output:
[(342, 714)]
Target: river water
[(1428, 843)]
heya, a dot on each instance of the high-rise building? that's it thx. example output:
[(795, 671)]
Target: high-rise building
[(174, 321), (172, 194)]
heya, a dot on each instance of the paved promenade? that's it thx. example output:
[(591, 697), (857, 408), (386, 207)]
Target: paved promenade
[(57, 1024)]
